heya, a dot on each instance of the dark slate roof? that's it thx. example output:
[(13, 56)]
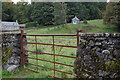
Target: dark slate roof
[(10, 24)]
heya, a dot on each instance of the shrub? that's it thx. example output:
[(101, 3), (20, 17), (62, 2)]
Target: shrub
[(31, 24), (6, 73), (85, 22)]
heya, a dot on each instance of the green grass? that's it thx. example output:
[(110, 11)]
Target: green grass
[(58, 50), (22, 71), (93, 26)]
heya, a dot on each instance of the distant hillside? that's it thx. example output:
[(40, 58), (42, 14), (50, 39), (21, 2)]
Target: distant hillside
[(93, 26)]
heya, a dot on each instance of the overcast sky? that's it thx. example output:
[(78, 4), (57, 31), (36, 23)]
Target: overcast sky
[(15, 1)]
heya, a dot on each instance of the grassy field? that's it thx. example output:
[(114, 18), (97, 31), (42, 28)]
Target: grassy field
[(93, 26), (58, 50)]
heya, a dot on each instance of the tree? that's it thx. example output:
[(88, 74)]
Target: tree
[(50, 13), (7, 11), (42, 13), (112, 14), (85, 10), (0, 11), (94, 10), (76, 9), (22, 12), (59, 13)]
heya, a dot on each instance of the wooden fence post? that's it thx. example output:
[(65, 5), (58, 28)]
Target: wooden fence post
[(22, 55)]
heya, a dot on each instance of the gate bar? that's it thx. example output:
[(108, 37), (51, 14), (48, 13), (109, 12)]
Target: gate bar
[(50, 61), (50, 34), (51, 54), (51, 44), (49, 68)]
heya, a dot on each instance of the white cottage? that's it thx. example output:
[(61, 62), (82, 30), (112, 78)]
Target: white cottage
[(9, 26), (75, 20)]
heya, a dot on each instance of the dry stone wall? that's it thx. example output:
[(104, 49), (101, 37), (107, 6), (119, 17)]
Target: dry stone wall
[(11, 49), (98, 56)]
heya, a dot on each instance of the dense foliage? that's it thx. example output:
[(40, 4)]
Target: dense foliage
[(112, 14), (52, 13)]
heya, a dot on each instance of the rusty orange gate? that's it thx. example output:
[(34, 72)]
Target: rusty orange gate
[(36, 43)]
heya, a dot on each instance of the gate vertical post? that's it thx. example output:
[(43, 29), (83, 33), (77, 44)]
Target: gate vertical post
[(78, 37), (54, 53), (22, 59), (36, 53)]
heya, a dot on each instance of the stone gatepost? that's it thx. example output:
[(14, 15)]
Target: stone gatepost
[(11, 49), (98, 56)]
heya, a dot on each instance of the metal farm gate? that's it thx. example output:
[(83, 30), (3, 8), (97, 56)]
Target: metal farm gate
[(53, 45)]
